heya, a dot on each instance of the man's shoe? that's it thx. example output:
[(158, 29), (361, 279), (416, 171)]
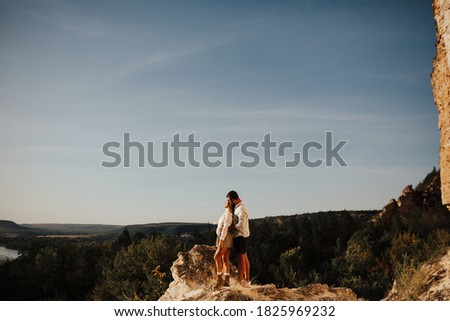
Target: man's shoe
[(227, 281)]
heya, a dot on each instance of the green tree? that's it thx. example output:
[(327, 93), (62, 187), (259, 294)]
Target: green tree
[(138, 272)]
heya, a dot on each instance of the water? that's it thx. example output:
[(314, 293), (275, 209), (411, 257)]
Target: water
[(7, 254)]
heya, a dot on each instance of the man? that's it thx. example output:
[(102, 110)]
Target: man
[(241, 232)]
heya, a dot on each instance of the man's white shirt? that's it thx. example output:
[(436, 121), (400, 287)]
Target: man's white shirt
[(241, 221)]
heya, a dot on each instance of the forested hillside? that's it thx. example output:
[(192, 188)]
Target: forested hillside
[(362, 250)]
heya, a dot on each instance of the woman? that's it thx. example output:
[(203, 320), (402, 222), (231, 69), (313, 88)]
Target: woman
[(224, 244)]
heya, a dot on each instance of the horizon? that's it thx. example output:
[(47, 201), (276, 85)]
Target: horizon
[(79, 74), (185, 222)]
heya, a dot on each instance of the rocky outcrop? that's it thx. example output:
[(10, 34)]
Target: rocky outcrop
[(407, 202), (194, 276), (425, 197), (440, 81)]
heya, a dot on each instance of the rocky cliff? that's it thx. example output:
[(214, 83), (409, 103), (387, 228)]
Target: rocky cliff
[(440, 80), (194, 277)]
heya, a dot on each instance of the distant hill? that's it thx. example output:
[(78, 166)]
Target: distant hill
[(169, 228), (10, 228), (74, 229), (359, 216)]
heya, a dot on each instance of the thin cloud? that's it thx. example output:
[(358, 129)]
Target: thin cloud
[(412, 76), (190, 44), (281, 113), (77, 24)]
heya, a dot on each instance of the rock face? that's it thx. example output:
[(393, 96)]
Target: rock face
[(437, 282), (434, 284), (426, 196), (195, 275), (440, 81)]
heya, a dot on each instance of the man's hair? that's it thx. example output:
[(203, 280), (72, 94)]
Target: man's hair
[(232, 195)]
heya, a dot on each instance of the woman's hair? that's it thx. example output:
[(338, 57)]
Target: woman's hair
[(230, 205)]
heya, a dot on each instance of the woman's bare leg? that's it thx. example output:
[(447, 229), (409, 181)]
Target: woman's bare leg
[(226, 262), (218, 260)]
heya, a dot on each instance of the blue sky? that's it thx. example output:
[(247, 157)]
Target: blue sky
[(77, 74)]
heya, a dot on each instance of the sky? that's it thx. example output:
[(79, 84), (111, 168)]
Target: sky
[(78, 74)]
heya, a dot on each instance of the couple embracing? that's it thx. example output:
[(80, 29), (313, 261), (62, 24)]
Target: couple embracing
[(232, 231)]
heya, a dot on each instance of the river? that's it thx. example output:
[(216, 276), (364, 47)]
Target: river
[(7, 254)]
